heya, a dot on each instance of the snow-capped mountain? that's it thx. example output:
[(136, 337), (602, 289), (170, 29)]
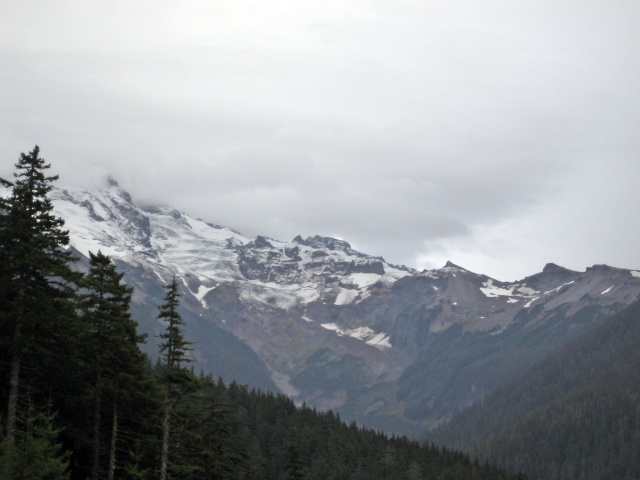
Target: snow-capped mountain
[(383, 344), (204, 255)]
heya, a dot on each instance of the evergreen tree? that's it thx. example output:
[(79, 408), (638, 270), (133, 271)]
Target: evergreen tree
[(177, 381), (293, 467), (111, 342), (174, 349), (36, 280), (35, 453), (220, 453)]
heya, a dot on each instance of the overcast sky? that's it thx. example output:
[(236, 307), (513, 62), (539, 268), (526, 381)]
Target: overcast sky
[(500, 135)]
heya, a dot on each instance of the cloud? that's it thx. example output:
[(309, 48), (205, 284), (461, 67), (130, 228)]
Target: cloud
[(495, 134)]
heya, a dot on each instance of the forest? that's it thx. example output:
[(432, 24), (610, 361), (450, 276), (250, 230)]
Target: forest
[(81, 401)]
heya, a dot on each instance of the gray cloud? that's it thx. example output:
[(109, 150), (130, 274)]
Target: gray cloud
[(499, 135)]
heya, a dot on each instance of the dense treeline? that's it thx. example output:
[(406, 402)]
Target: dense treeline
[(575, 416), (285, 441), (80, 401)]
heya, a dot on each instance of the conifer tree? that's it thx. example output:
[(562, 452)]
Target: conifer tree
[(35, 453), (36, 280), (174, 349), (293, 467), (220, 452), (177, 381), (112, 344)]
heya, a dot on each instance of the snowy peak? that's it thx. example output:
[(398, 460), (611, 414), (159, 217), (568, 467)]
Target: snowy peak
[(316, 269), (105, 220), (321, 242), (170, 242), (452, 267), (329, 267), (333, 324)]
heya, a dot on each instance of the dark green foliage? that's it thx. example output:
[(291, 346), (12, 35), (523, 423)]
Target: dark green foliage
[(203, 443), (36, 453), (35, 283), (113, 362), (574, 416), (179, 418), (284, 441), (293, 465), (174, 348)]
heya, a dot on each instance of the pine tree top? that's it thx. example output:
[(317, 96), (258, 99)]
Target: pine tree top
[(174, 348)]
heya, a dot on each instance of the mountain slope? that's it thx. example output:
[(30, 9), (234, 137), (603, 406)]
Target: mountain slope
[(339, 329), (465, 334), (575, 415)]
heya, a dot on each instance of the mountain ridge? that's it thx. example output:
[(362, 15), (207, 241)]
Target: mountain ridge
[(338, 328), (576, 414)]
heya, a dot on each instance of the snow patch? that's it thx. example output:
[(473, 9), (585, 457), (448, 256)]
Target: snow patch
[(308, 293), (557, 289), (607, 290), (200, 294), (526, 290), (491, 290), (334, 327), (281, 296), (366, 294), (380, 341), (345, 296), (635, 273), (429, 273), (363, 280)]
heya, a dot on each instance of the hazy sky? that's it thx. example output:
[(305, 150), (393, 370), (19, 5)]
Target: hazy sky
[(500, 135)]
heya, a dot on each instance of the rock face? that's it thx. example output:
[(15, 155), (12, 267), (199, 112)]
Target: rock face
[(386, 345)]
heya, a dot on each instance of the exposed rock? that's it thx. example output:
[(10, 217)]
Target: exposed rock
[(342, 328), (262, 242), (293, 253)]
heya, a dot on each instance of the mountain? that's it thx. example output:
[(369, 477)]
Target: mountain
[(383, 344), (575, 415)]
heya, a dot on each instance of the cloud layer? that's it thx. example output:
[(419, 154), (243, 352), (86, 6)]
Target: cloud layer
[(499, 135)]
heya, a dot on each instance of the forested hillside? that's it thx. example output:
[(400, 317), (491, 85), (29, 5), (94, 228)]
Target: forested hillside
[(80, 400), (575, 416)]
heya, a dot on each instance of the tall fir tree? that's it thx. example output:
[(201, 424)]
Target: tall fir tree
[(176, 380), (174, 348), (111, 343), (196, 429), (36, 282)]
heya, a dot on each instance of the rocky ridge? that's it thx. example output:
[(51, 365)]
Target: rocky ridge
[(383, 344)]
